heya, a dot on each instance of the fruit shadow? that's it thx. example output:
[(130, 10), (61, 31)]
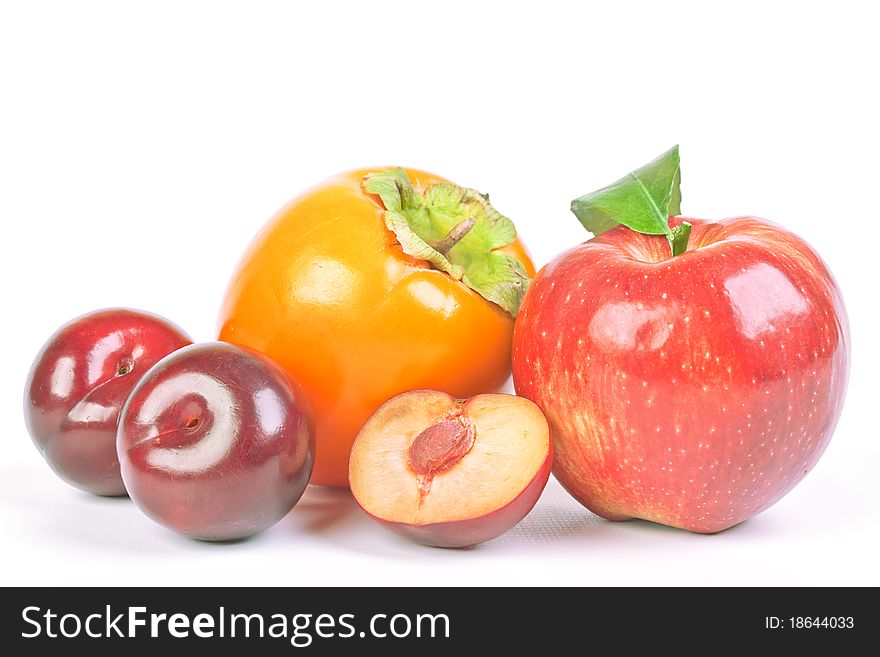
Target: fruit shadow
[(325, 511), (560, 526), (112, 524), (559, 521), (333, 515), (130, 532), (549, 524)]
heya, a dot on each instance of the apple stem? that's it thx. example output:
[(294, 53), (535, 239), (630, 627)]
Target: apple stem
[(455, 235), (678, 238)]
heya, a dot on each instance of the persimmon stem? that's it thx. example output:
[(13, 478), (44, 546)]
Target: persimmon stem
[(455, 235)]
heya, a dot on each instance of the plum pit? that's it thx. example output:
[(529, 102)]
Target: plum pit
[(438, 448)]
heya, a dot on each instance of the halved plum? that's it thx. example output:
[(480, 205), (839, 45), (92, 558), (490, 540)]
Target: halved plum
[(450, 472)]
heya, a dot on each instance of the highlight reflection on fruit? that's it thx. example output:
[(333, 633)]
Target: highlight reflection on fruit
[(373, 283), (451, 472), (216, 442)]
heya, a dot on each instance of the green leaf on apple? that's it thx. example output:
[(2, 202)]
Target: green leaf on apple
[(643, 201)]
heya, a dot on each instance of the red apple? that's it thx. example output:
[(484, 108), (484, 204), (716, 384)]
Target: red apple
[(216, 442), (78, 383), (693, 391), (450, 472)]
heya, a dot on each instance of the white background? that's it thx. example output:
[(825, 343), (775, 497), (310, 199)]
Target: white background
[(142, 146)]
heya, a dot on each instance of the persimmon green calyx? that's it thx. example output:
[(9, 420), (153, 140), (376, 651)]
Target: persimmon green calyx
[(457, 231)]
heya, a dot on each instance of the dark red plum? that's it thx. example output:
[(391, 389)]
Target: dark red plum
[(78, 384), (216, 442)]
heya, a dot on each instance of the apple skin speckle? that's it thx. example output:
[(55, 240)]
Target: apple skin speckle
[(741, 348)]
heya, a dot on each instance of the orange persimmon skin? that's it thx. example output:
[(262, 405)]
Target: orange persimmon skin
[(326, 291)]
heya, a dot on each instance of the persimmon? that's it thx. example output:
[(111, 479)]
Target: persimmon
[(373, 283)]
